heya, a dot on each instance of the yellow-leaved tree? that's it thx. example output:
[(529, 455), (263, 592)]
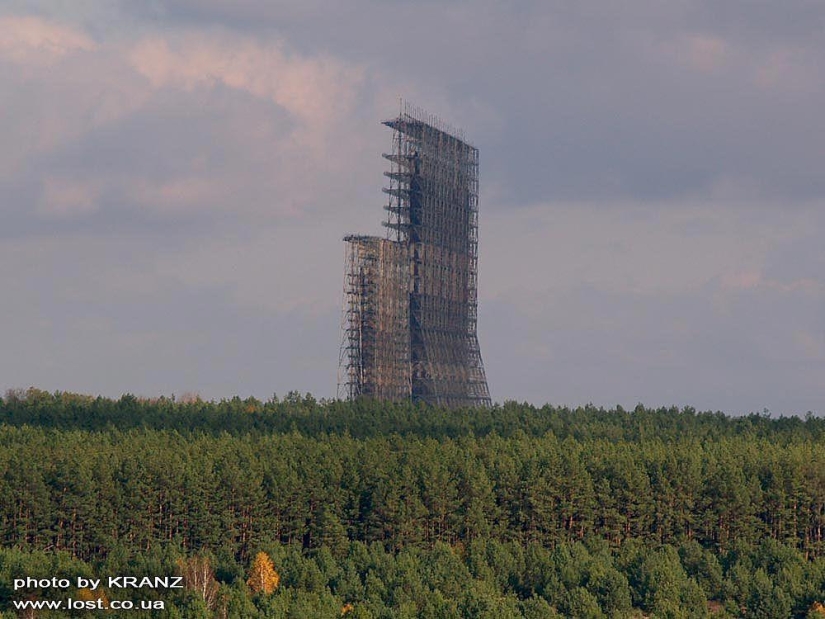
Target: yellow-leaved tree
[(262, 575), (87, 595)]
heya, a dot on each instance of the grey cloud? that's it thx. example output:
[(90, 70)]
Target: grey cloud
[(650, 212), (760, 20), (597, 100), (93, 315), (178, 158), (624, 348)]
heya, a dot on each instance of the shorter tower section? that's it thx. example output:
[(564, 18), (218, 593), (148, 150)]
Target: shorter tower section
[(376, 348)]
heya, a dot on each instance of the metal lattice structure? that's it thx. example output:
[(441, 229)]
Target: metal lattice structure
[(375, 353), (430, 256)]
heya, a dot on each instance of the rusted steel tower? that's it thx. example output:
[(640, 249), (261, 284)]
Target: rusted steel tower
[(375, 353), (410, 306)]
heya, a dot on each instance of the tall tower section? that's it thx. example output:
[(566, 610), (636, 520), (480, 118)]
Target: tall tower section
[(432, 227), (433, 209)]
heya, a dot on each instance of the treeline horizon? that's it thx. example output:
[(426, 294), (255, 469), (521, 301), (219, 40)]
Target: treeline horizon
[(363, 418)]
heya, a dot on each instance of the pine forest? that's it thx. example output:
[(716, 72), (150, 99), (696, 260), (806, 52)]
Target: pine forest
[(295, 508)]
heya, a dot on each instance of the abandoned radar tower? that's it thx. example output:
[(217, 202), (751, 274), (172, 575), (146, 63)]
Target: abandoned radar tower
[(410, 299)]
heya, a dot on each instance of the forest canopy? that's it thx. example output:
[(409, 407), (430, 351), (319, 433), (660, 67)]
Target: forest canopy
[(375, 510)]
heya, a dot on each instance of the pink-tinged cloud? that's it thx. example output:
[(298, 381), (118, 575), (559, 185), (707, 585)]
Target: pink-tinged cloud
[(788, 68), (742, 280), (73, 94), (64, 197), (26, 39), (184, 193), (318, 91), (704, 53), (810, 344), (753, 279)]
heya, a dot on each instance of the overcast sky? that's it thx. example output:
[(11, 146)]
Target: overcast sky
[(176, 178)]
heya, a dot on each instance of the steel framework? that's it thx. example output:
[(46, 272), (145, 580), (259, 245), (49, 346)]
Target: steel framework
[(432, 266), (375, 352)]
